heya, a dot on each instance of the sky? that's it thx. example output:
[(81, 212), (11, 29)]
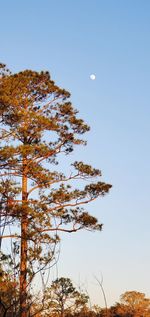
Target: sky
[(110, 38)]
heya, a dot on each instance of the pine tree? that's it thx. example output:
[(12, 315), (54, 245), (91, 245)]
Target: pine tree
[(38, 124), (62, 298)]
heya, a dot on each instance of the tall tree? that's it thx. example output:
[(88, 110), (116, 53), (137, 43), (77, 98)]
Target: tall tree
[(38, 125)]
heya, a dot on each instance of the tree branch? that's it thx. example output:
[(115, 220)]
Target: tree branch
[(10, 236)]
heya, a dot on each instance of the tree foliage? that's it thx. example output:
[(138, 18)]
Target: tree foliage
[(38, 124), (132, 304), (140, 307), (9, 287), (62, 298)]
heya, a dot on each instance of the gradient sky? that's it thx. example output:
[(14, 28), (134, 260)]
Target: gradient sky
[(111, 38)]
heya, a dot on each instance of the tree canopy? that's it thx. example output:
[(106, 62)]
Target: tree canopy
[(38, 124), (62, 298)]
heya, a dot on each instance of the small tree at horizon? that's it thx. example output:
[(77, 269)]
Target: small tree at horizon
[(132, 304), (38, 125), (136, 303), (62, 298)]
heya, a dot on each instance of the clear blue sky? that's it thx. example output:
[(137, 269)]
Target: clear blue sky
[(110, 38)]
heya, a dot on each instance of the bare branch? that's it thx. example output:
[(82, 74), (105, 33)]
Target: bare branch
[(100, 283)]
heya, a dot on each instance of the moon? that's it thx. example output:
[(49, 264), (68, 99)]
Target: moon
[(92, 77)]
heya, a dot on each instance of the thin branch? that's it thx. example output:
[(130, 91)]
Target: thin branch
[(73, 204), (50, 153), (10, 236), (10, 174), (100, 283), (58, 229), (51, 183)]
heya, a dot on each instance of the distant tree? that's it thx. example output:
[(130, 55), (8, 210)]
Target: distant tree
[(100, 312), (85, 312), (132, 304), (136, 303), (38, 125), (119, 310), (81, 299), (63, 298)]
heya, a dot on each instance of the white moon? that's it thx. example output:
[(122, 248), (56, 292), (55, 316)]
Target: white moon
[(92, 77)]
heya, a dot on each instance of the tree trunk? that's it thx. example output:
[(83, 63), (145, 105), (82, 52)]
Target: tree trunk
[(23, 256), (62, 309)]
